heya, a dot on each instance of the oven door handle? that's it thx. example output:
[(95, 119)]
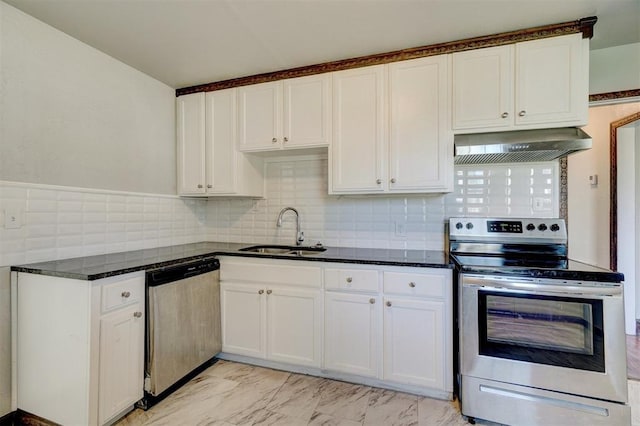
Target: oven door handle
[(520, 286)]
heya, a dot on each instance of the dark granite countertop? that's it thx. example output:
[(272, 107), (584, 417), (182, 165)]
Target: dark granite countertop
[(106, 265), (574, 270)]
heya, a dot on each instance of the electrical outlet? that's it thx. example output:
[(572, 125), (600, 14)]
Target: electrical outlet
[(401, 229), (12, 218)]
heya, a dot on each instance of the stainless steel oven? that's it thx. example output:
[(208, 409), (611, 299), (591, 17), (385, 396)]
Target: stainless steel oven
[(541, 338)]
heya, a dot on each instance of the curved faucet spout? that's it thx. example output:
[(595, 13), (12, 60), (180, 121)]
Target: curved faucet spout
[(299, 234)]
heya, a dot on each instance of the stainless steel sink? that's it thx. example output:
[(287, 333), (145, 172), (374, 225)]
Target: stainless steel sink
[(289, 250)]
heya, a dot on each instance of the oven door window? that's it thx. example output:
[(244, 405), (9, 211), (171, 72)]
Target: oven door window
[(558, 331)]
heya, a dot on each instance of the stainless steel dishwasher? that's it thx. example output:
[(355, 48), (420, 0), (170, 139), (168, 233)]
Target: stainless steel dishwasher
[(183, 324)]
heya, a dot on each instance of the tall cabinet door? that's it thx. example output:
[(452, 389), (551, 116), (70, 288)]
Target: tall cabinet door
[(220, 141), (191, 143), (483, 88), (352, 333), (414, 345), (420, 135), (121, 361), (295, 326), (359, 143), (260, 121), (307, 111), (552, 84)]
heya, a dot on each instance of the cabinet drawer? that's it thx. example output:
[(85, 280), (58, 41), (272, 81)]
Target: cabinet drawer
[(122, 293), (270, 272), (424, 285), (351, 279)]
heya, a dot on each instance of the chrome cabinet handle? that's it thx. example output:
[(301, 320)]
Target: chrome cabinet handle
[(260, 291), (137, 314), (412, 284), (388, 303), (269, 291), (199, 186), (274, 140), (209, 186), (126, 294), (522, 113), (379, 181), (505, 114), (372, 301), (349, 279), (286, 139), (393, 180)]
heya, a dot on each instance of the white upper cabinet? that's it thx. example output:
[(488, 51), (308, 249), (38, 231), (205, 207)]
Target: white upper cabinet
[(293, 113), (552, 84), (191, 144), (483, 88), (209, 163), (420, 136), (359, 141), (533, 84), (392, 128)]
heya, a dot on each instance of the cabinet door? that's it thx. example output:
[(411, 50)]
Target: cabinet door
[(221, 159), (243, 311), (358, 145), (352, 330), (552, 86), (121, 360), (191, 143), (420, 136), (307, 111), (294, 326), (414, 344), (259, 113), (483, 88)]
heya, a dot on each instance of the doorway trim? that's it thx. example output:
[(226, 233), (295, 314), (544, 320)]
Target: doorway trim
[(613, 210)]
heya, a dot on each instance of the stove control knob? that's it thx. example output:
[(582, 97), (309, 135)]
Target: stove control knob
[(531, 227), (555, 227), (469, 225), (542, 227), (459, 225)]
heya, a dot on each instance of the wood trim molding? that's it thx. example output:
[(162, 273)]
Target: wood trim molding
[(613, 203), (599, 97), (564, 191), (584, 26)]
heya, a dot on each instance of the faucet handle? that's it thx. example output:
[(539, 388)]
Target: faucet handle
[(300, 237)]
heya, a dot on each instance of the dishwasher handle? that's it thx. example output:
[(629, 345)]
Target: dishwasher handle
[(173, 273)]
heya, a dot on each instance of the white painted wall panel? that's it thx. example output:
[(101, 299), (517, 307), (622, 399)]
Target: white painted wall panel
[(615, 68), (71, 115)]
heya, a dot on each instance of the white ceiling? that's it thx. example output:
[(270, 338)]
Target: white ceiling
[(188, 42)]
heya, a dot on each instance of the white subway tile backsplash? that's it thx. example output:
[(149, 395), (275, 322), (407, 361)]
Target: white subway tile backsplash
[(67, 222)]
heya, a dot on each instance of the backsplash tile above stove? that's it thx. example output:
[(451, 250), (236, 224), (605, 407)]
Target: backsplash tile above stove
[(62, 222)]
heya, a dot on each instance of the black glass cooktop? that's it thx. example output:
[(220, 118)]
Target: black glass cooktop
[(524, 262)]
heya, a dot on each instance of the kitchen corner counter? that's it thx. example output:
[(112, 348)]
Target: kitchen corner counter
[(111, 264)]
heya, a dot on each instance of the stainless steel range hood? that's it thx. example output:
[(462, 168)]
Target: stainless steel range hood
[(519, 146)]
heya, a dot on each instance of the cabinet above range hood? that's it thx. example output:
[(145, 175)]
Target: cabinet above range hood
[(519, 146)]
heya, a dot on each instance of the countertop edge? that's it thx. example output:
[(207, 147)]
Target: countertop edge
[(157, 265)]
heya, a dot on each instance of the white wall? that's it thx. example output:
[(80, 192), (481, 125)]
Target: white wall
[(589, 205), (628, 236), (614, 69), (74, 116)]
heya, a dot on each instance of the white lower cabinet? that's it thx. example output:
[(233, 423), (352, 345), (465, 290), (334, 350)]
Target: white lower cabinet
[(387, 325), (414, 344), (80, 347), (352, 333), (272, 310)]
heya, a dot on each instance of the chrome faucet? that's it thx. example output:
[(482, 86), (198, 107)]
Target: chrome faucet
[(299, 234)]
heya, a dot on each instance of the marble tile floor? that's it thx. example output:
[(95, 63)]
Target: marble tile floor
[(230, 393)]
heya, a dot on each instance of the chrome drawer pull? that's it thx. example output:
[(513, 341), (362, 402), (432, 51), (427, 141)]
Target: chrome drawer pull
[(126, 294)]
